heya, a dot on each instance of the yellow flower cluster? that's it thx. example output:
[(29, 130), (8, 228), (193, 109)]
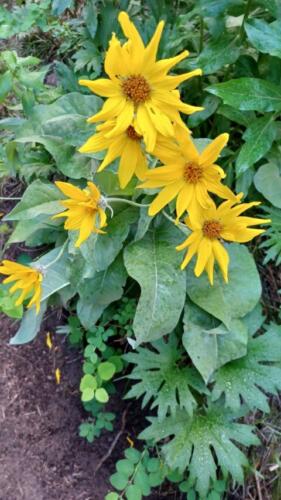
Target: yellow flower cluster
[(142, 114)]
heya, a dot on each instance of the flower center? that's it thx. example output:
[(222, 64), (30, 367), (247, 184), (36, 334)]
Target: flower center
[(192, 172), (131, 133), (211, 229), (136, 88)]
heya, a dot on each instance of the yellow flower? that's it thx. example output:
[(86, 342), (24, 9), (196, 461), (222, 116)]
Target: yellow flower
[(126, 145), (85, 212), (210, 227), (27, 279), (139, 90), (187, 175)]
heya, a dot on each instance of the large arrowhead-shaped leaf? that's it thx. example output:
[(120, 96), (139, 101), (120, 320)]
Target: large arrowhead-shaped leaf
[(161, 377), (196, 438), (98, 292), (99, 251), (244, 378), (154, 263), (249, 94), (258, 140), (228, 301)]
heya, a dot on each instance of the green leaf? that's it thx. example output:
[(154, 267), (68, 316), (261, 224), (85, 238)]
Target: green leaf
[(55, 278), (268, 182), (244, 118), (88, 394), (272, 243), (154, 263), (210, 104), (249, 376), (99, 251), (112, 496), (30, 325), (249, 94), (259, 138), (39, 198), (106, 370), (141, 479), (7, 304), (211, 348), (133, 455), (264, 37), (6, 85), (91, 17), (119, 481), (214, 8), (125, 467), (217, 53), (133, 492), (63, 119), (228, 301), (98, 292), (161, 378), (196, 439), (101, 395), (59, 6), (88, 382)]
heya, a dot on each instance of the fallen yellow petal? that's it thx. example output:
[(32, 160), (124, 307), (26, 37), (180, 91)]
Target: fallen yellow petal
[(58, 375)]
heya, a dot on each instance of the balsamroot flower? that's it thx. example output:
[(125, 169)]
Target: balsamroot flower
[(139, 90), (187, 175), (126, 145), (85, 210), (210, 227), (27, 279)]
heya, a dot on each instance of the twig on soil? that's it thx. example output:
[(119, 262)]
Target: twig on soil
[(114, 442), (258, 487)]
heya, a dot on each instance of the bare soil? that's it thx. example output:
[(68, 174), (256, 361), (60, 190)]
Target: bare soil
[(41, 455)]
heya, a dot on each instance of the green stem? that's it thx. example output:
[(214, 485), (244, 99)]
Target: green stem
[(58, 256), (180, 225), (201, 40), (10, 198), (129, 202), (246, 15)]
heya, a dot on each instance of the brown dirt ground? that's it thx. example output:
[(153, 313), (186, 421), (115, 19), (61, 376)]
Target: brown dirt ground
[(41, 455)]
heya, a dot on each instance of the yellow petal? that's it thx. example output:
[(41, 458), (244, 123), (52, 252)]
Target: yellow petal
[(210, 268), (164, 197), (129, 29), (114, 151), (152, 47), (204, 252), (146, 128), (85, 230), (183, 200), (190, 253), (102, 87), (171, 82), (123, 121), (222, 257), (71, 191), (128, 163), (183, 136), (112, 107), (161, 122), (212, 151)]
